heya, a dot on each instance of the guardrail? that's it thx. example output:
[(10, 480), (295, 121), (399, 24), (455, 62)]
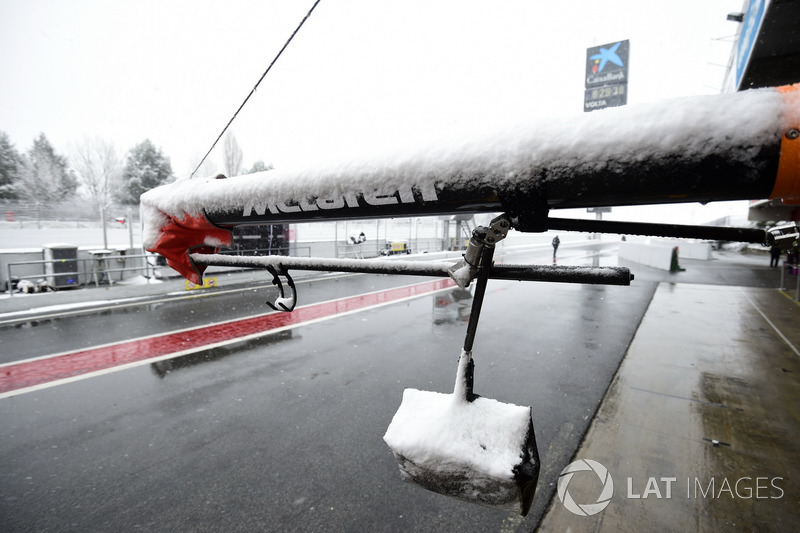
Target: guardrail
[(97, 269), (102, 268)]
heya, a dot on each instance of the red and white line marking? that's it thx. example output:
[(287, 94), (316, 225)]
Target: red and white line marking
[(50, 370)]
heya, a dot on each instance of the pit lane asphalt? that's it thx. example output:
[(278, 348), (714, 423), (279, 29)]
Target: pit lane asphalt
[(285, 433)]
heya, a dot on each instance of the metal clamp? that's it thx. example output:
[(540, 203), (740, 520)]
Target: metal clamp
[(465, 270), (282, 303)]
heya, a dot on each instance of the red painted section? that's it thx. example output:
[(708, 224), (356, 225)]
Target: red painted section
[(180, 237), (31, 373)]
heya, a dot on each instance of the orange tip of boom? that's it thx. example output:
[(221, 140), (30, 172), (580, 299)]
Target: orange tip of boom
[(787, 182)]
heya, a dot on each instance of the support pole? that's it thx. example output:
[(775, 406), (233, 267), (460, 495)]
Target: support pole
[(130, 229), (474, 316), (103, 222)]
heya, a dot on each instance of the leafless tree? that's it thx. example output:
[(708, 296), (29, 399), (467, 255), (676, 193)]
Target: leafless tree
[(232, 156), (99, 168)]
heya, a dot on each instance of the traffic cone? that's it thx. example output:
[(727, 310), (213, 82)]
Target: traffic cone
[(674, 266)]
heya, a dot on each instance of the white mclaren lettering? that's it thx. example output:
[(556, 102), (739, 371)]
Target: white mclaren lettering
[(330, 203), (406, 195), (377, 197), (428, 191), (283, 208), (350, 199), (305, 205), (251, 206)]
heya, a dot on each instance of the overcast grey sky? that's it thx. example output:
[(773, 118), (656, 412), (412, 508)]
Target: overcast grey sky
[(359, 70)]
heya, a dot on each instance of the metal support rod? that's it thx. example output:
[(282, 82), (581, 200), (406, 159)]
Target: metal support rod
[(756, 236), (474, 316), (8, 281), (103, 222), (477, 298), (563, 274), (558, 274), (130, 228)]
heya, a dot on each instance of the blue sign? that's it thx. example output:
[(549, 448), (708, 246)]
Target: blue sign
[(750, 26), (607, 64), (606, 79)]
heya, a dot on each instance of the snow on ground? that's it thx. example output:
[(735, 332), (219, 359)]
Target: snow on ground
[(138, 280), (12, 237), (59, 308)]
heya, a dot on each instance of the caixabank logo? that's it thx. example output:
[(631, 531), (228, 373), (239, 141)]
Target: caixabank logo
[(604, 482)]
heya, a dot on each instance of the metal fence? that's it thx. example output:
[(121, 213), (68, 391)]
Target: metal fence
[(105, 269), (81, 272), (77, 213)]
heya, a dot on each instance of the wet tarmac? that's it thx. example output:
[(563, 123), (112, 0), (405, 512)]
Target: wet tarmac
[(700, 428), (283, 432)]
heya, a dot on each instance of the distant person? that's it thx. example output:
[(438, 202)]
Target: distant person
[(774, 256), (556, 242), (358, 240)]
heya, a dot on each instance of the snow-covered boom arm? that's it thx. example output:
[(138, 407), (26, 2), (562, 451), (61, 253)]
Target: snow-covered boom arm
[(728, 147)]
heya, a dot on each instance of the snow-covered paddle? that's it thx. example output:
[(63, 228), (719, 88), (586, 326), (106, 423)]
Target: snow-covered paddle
[(462, 445)]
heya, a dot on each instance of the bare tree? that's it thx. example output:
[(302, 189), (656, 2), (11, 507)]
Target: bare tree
[(232, 156), (99, 169)]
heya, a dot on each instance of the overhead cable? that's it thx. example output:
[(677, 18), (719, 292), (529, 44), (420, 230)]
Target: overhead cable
[(253, 90)]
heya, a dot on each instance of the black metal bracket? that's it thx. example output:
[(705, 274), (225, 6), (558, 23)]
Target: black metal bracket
[(711, 233), (282, 303), (482, 238)]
